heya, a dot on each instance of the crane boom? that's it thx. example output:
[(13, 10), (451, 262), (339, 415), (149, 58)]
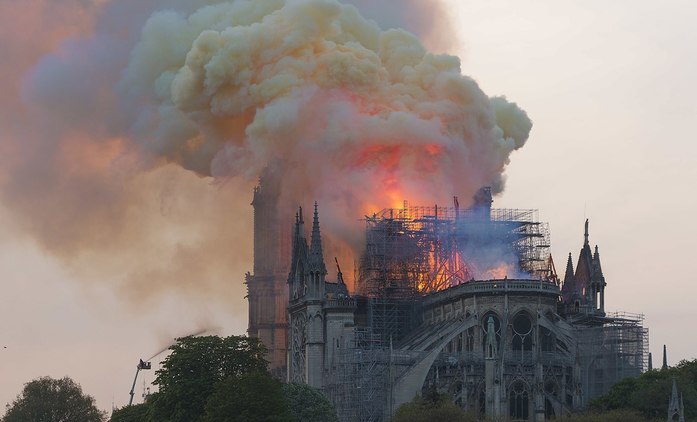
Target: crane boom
[(141, 365)]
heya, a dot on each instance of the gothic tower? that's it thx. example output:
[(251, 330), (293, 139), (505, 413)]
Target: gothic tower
[(266, 287), (306, 294), (584, 290), (321, 313)]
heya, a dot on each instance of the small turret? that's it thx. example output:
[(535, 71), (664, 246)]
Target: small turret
[(301, 224), (597, 268), (297, 277), (676, 409), (568, 287), (316, 253), (585, 235), (598, 280)]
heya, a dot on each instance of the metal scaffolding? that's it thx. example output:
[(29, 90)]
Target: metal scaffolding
[(413, 252), (419, 250), (359, 378), (616, 349), (391, 319)]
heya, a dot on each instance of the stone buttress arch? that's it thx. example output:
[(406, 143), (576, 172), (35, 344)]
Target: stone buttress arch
[(411, 382)]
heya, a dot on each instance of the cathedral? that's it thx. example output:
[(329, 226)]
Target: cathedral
[(462, 302)]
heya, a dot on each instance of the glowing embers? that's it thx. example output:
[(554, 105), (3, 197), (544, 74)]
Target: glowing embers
[(442, 271), (501, 272), (421, 250), (411, 251)]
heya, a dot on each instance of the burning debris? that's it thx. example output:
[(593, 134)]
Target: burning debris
[(420, 250)]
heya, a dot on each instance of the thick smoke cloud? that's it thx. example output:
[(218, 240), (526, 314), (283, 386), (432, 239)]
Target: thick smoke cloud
[(134, 132)]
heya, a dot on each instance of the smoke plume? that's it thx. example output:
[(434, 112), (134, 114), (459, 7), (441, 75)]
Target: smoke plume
[(140, 126)]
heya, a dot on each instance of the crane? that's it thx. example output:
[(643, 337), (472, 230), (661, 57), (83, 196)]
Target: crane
[(141, 365)]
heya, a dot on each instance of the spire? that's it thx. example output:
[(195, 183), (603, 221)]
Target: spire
[(665, 358), (583, 276), (569, 275), (296, 234), (316, 254), (674, 393), (569, 287), (316, 246), (301, 223), (299, 245), (597, 268), (585, 235), (675, 406)]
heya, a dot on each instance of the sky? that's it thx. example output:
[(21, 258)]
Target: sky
[(609, 87)]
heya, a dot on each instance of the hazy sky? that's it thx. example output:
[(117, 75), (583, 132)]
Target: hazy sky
[(611, 90)]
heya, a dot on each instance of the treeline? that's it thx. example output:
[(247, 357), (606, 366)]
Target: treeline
[(649, 393), (215, 379), (439, 407), (641, 399), (204, 379)]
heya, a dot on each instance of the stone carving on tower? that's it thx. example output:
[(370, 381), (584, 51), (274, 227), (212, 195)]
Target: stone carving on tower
[(297, 348)]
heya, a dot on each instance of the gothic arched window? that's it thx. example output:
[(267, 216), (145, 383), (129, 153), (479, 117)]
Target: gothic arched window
[(547, 340), (519, 402), (522, 332)]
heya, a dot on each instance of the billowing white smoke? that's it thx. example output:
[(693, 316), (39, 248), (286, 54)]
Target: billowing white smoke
[(356, 118), (359, 118)]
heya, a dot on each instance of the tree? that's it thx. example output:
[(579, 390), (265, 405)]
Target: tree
[(649, 393), (431, 407), (617, 415), (254, 397), (53, 400), (134, 413), (197, 365), (308, 405)]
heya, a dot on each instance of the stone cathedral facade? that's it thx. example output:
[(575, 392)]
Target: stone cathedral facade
[(526, 347)]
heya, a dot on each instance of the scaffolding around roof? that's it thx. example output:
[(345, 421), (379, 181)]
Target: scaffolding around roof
[(616, 349), (414, 251), (419, 250)]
